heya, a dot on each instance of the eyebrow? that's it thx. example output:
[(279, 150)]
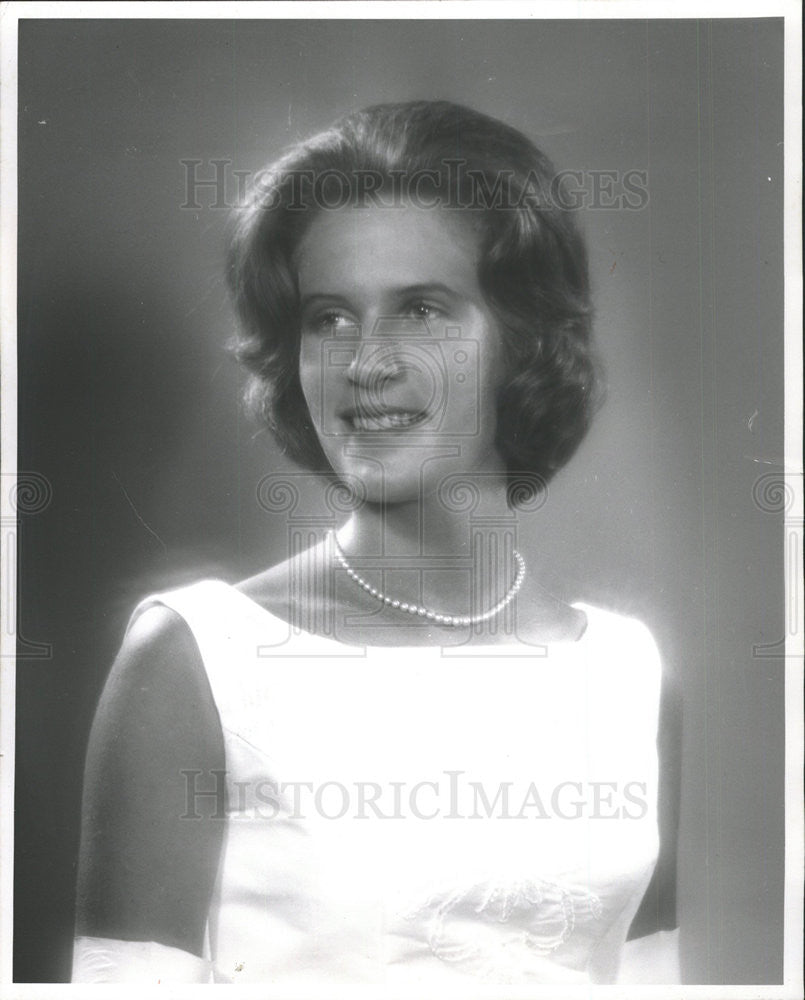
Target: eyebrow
[(403, 291), (424, 288), (306, 300)]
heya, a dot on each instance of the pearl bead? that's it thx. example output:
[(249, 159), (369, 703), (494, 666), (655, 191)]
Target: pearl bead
[(435, 616)]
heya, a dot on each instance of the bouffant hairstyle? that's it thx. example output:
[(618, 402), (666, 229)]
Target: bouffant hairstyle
[(532, 269)]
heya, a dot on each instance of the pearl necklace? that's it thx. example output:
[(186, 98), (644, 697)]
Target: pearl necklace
[(440, 618)]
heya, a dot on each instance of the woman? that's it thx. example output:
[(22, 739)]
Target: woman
[(393, 758)]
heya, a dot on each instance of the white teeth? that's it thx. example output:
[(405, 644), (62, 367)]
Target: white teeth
[(384, 422)]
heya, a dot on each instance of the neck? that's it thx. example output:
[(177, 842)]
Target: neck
[(453, 552)]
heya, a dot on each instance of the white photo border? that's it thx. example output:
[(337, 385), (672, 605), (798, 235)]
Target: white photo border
[(791, 11)]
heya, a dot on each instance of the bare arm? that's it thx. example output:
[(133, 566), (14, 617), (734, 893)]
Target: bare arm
[(651, 955), (146, 870)]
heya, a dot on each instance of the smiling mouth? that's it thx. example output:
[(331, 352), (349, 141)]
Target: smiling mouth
[(387, 420)]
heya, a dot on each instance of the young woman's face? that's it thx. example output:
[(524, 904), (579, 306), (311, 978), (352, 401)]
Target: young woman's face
[(400, 356)]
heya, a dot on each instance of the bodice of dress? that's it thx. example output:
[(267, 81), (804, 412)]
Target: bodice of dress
[(422, 815)]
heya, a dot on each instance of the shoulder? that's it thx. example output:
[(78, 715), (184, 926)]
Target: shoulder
[(145, 873), (625, 650), (271, 588), (156, 693), (158, 651), (286, 588), (615, 626), (155, 633)]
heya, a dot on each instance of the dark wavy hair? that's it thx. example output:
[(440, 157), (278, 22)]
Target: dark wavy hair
[(532, 270)]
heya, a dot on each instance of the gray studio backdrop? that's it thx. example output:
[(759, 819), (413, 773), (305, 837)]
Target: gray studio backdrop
[(129, 418)]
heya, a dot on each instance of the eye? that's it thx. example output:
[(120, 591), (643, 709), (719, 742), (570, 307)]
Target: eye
[(327, 321), (331, 318), (424, 310)]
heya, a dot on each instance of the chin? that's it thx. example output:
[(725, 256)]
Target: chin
[(389, 489), (387, 482), (409, 475)]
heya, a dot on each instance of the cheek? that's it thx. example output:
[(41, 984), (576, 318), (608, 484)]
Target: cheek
[(492, 362), (309, 376)]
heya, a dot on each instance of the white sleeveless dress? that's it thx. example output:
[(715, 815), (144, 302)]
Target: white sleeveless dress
[(425, 816)]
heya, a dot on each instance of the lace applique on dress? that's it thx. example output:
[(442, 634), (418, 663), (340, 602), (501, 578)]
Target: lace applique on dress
[(504, 930)]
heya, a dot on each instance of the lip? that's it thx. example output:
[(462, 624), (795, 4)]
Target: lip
[(376, 419)]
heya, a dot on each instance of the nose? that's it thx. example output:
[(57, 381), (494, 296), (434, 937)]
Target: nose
[(374, 365)]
